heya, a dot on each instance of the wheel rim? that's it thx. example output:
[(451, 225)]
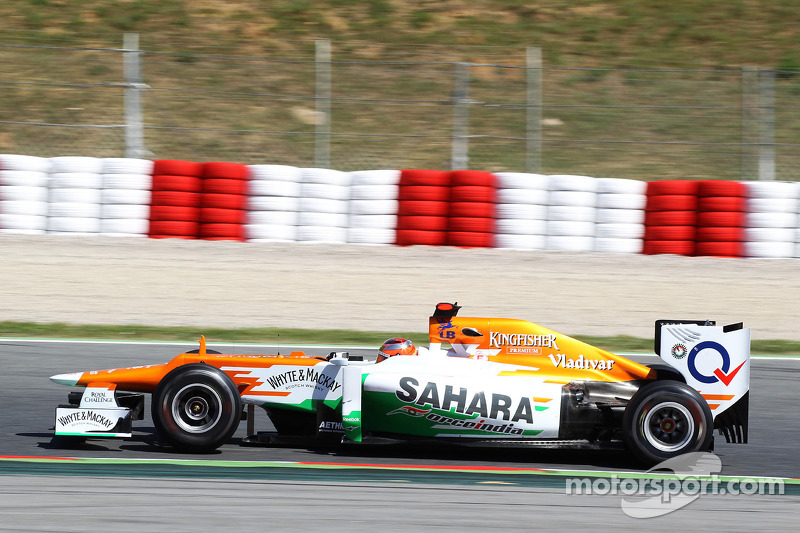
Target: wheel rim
[(669, 426), (196, 408)]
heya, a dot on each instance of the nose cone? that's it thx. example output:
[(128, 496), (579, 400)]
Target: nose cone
[(70, 380)]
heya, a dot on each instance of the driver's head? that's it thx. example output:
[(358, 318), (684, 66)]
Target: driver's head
[(396, 346)]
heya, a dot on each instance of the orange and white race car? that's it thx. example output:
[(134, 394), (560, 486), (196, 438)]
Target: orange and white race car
[(483, 381)]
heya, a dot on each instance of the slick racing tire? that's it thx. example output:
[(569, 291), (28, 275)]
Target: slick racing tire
[(665, 419), (196, 408)]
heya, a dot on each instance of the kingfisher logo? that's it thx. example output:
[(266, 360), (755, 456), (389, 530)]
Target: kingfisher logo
[(723, 373)]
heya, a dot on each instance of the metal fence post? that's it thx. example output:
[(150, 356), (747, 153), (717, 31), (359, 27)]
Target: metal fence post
[(322, 142), (134, 129), (766, 124), (459, 158), (533, 119)]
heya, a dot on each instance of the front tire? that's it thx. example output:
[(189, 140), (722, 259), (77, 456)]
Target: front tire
[(665, 419), (196, 408)]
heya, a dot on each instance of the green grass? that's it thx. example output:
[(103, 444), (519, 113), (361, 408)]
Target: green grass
[(336, 337)]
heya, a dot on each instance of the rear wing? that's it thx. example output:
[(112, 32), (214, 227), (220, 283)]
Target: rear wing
[(715, 360)]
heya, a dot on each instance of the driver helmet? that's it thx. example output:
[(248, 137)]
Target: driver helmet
[(396, 346)]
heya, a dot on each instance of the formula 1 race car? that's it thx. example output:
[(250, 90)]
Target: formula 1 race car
[(484, 381)]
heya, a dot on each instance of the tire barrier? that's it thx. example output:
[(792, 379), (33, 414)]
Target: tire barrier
[(126, 197)]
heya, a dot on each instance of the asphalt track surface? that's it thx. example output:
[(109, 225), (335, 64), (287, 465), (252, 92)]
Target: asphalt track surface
[(276, 488)]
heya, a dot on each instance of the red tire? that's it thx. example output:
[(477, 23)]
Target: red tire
[(225, 186), (174, 213), (721, 218), (172, 182), (669, 233), (720, 249), (177, 168), (473, 193), (671, 202), (176, 198), (721, 188), (228, 231), (468, 239), (225, 201), (424, 223), (719, 234), (233, 171), (680, 187), (405, 237), (172, 237), (424, 193), (422, 208), (172, 228), (722, 203), (472, 177), (222, 216), (668, 247), (670, 218), (439, 178), (471, 224), (473, 209)]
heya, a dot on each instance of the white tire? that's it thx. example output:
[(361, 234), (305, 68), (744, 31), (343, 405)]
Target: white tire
[(79, 164), (69, 195), (76, 180), (521, 180), (772, 205), (619, 231), (570, 228), (22, 222), (125, 196), (619, 216), (569, 243), (772, 189), (521, 211), (620, 246), (373, 207), (73, 225), (17, 193), (73, 210), (621, 186), (310, 218), (770, 234), (326, 176), (371, 235), (275, 173), (15, 162), (573, 198), (769, 249), (123, 235), (564, 182), (373, 192), (522, 196), (519, 242), (771, 220), (14, 207), (373, 221), (24, 178), (517, 226), (272, 218), (274, 188), (321, 234), (272, 203), (270, 232), (621, 201), (125, 211), (571, 213), (375, 177), (127, 181), (13, 231), (126, 165), (324, 190), (128, 226), (322, 205)]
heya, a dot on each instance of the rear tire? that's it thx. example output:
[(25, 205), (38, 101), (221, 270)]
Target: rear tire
[(196, 408), (665, 419)]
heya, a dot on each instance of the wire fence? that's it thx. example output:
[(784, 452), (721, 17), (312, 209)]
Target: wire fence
[(352, 106)]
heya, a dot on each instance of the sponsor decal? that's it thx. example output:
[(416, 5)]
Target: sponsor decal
[(562, 361), (410, 410), (525, 351), (447, 330), (304, 377), (86, 416), (498, 340), (330, 426), (98, 397), (679, 351), (477, 425), (720, 374)]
